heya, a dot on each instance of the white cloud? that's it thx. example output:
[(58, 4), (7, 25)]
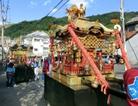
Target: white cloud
[(46, 2), (91, 0), (33, 3), (54, 10), (78, 2)]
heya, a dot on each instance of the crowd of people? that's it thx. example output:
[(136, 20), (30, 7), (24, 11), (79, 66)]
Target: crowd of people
[(38, 64)]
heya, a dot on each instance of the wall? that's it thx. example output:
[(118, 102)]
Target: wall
[(132, 46)]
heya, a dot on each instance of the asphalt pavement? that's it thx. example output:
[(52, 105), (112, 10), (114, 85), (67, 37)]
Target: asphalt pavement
[(31, 93), (25, 94)]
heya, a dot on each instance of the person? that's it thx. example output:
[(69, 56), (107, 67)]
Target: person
[(107, 59), (50, 61), (131, 86), (10, 73), (46, 66), (117, 58), (82, 10), (36, 69)]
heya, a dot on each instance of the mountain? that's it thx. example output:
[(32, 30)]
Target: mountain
[(106, 18), (25, 27)]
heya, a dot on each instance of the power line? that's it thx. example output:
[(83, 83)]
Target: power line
[(54, 7), (60, 7)]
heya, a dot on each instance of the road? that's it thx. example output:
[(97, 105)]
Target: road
[(25, 94), (31, 93)]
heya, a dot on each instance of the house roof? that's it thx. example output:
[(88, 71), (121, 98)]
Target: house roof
[(40, 34), (132, 21), (129, 35)]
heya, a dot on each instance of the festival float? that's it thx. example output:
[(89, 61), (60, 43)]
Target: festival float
[(83, 59), (19, 55)]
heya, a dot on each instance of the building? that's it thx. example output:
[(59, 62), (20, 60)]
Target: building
[(132, 40), (39, 41), (6, 46)]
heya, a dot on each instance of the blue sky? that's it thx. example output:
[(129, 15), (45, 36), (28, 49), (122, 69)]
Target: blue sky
[(21, 10)]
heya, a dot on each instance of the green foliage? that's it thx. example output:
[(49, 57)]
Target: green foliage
[(106, 18), (43, 24)]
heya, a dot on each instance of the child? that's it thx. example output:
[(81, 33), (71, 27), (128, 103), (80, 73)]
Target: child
[(10, 72)]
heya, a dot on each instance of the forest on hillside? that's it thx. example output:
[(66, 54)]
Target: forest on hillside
[(25, 27)]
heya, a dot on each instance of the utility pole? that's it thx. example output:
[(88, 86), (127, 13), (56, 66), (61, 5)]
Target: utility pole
[(2, 40), (122, 20), (3, 11)]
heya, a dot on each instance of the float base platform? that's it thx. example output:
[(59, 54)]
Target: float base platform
[(58, 93)]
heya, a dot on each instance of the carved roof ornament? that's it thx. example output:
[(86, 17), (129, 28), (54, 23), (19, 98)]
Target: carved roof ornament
[(82, 10), (74, 12)]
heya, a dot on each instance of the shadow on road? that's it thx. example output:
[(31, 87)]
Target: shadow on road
[(25, 94)]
